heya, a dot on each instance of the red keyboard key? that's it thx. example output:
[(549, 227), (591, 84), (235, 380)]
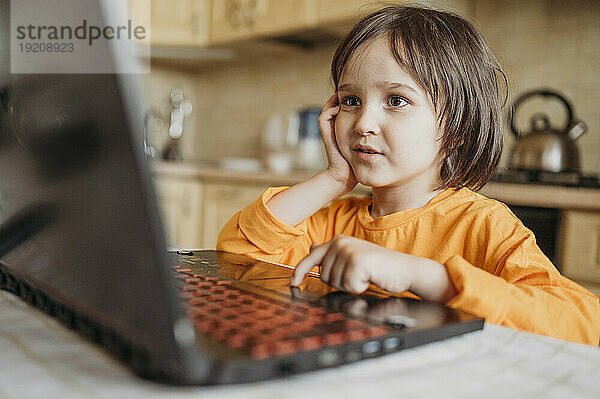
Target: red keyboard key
[(377, 331), (315, 311), (229, 303), (351, 324), (279, 333), (290, 317), (299, 306), (222, 333), (262, 315), (331, 317), (334, 339), (183, 270), (243, 321), (206, 325), (202, 294), (280, 321), (259, 325), (203, 284), (224, 313), (261, 304), (195, 312), (237, 340), (261, 351), (298, 328), (197, 301), (191, 280), (357, 335), (232, 293), (247, 309), (309, 343), (284, 347), (224, 282)]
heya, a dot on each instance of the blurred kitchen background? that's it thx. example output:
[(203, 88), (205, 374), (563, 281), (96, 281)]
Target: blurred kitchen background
[(234, 84)]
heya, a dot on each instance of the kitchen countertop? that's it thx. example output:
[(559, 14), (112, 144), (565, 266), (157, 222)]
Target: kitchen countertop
[(536, 195)]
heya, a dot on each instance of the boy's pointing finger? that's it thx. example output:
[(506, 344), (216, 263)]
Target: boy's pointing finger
[(315, 257)]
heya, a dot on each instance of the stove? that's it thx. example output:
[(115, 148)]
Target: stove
[(569, 179)]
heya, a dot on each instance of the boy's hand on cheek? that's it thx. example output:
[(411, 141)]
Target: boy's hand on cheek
[(338, 168), (351, 264)]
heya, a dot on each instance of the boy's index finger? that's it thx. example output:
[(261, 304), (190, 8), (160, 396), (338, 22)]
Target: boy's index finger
[(331, 101), (313, 258)]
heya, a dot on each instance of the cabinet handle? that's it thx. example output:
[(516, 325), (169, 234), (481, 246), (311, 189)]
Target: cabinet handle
[(233, 13), (186, 205), (253, 9), (250, 11), (197, 23)]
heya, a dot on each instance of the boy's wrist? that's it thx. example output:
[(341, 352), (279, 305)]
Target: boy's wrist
[(305, 198), (430, 280)]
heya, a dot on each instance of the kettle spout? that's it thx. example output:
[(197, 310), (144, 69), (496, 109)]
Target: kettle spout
[(576, 129)]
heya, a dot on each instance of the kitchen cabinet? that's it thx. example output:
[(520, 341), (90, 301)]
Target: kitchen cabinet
[(333, 11), (220, 202), (195, 210), (242, 19), (178, 23), (200, 23), (580, 247), (180, 201)]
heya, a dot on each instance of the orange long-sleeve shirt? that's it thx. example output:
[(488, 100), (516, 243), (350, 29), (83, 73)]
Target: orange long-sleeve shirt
[(492, 258)]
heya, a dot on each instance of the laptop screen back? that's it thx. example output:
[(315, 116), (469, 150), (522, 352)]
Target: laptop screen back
[(78, 217)]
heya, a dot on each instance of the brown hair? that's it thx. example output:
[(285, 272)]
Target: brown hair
[(449, 59)]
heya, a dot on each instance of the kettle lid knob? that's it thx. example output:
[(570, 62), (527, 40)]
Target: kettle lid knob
[(540, 122)]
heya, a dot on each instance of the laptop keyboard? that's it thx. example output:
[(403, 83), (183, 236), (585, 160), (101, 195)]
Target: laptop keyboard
[(262, 326)]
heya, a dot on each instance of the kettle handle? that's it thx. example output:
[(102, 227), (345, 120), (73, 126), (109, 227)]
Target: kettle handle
[(533, 93)]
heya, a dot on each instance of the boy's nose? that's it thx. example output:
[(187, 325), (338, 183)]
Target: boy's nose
[(366, 124)]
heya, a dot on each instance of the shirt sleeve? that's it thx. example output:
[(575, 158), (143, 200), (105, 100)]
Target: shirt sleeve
[(526, 292), (256, 232)]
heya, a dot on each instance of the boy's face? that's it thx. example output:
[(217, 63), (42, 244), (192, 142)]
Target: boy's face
[(383, 110)]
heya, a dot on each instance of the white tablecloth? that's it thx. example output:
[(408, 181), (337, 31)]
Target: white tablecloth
[(42, 359)]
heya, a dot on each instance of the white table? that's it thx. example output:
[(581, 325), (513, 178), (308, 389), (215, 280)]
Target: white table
[(42, 359)]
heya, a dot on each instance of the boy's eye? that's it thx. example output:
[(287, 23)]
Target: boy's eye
[(351, 101), (397, 101)]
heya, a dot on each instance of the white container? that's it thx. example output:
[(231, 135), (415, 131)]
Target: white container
[(311, 154)]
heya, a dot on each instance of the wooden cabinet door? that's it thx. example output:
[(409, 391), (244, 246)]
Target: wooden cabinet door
[(343, 10), (242, 19), (334, 11), (221, 202), (180, 201), (580, 245), (180, 22)]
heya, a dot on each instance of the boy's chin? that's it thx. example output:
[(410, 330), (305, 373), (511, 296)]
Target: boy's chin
[(370, 181)]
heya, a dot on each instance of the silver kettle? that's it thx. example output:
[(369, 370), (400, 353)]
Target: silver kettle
[(543, 148)]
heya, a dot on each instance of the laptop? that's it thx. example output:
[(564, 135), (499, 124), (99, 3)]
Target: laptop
[(81, 239)]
